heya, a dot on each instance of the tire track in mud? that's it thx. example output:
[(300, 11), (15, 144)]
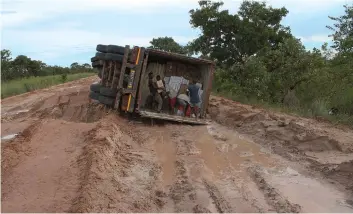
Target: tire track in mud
[(44, 177), (173, 151), (221, 204), (272, 196), (182, 191), (220, 184), (292, 138), (117, 174), (193, 190)]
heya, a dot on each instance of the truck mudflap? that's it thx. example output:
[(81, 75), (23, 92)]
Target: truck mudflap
[(163, 116)]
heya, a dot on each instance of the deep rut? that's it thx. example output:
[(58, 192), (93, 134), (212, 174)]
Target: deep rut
[(273, 197), (220, 202), (195, 187)]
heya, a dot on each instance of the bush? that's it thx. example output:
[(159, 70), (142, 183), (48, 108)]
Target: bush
[(292, 78), (63, 77)]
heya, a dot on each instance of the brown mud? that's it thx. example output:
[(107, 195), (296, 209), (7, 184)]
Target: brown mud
[(73, 155)]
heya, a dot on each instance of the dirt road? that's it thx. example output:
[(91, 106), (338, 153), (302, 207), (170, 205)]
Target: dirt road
[(62, 153)]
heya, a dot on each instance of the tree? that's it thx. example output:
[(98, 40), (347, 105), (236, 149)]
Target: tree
[(5, 55), (343, 32), (35, 67), (75, 66), (168, 44), (6, 65), (23, 66), (231, 39), (341, 66), (86, 66)]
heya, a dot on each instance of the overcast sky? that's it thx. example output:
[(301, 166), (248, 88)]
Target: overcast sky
[(60, 32)]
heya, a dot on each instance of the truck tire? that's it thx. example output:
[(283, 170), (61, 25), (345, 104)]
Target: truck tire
[(99, 73), (97, 64), (108, 92), (115, 49), (100, 56), (93, 59), (106, 100), (114, 57), (95, 87), (93, 95), (101, 48)]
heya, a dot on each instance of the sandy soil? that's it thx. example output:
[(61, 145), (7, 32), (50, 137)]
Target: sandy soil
[(73, 155)]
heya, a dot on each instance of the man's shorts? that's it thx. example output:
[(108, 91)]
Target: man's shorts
[(182, 102), (196, 104)]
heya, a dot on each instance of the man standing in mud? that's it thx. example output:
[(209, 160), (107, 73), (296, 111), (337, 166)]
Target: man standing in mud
[(154, 96), (195, 101)]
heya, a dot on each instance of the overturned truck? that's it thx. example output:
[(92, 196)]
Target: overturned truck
[(124, 78)]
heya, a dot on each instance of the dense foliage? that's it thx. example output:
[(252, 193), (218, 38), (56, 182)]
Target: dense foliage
[(168, 44), (260, 61), (24, 67)]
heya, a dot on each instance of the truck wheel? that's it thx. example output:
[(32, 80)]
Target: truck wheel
[(108, 92), (100, 73), (93, 95), (97, 64), (100, 56), (114, 57), (106, 100), (115, 49), (93, 59), (95, 87), (101, 48)]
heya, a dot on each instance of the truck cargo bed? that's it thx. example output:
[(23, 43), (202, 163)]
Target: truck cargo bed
[(163, 116)]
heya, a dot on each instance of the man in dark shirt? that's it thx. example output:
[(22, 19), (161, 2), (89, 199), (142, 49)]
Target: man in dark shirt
[(195, 101), (154, 96)]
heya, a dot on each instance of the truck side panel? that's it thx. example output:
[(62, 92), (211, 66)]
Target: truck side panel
[(136, 81), (142, 74)]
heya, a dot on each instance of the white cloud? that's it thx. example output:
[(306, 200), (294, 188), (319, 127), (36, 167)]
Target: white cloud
[(315, 38), (294, 6), (49, 44), (32, 10), (304, 6)]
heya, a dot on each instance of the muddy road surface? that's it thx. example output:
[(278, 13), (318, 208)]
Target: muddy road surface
[(63, 153)]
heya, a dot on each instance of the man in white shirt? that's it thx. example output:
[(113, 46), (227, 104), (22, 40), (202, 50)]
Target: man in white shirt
[(160, 84)]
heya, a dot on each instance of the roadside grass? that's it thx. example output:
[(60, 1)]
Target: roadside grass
[(317, 110), (24, 85)]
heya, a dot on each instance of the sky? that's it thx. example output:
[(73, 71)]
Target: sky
[(60, 32)]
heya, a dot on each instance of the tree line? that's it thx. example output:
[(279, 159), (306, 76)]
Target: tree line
[(23, 67), (259, 59)]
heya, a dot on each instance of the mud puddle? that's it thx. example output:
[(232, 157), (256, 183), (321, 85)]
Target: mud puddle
[(165, 151), (311, 194), (8, 137), (223, 149)]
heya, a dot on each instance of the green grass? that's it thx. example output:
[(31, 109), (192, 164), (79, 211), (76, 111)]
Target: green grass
[(317, 110), (24, 85)]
